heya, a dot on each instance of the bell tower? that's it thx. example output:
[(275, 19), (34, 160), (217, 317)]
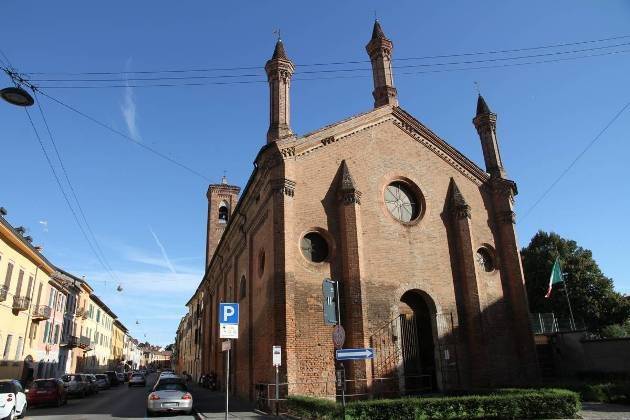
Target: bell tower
[(222, 199)]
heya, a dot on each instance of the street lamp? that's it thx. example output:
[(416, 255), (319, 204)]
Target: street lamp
[(17, 96)]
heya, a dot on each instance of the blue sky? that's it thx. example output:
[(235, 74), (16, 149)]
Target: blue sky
[(149, 215)]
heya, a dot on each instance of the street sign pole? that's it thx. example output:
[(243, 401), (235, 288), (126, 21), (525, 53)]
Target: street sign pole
[(227, 384), (277, 393), (343, 370), (276, 358)]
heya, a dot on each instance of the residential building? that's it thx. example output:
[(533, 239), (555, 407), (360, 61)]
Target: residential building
[(118, 333), (419, 239), (46, 333), (98, 328), (24, 282)]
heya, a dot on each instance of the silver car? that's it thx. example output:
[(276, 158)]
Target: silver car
[(137, 379), (169, 395)]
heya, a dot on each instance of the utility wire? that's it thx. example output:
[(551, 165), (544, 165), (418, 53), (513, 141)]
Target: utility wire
[(578, 157), (123, 135), (330, 77), (256, 67), (101, 254), (362, 69), (63, 192)]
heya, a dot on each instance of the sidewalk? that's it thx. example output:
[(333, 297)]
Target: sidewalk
[(211, 405), (592, 410)]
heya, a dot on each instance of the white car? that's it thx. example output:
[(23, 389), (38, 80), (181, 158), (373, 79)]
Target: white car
[(12, 399)]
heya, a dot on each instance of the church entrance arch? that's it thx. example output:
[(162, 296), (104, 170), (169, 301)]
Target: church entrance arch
[(418, 341)]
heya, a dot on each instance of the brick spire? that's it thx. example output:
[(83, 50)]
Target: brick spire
[(456, 201), (279, 71), (485, 122), (380, 51)]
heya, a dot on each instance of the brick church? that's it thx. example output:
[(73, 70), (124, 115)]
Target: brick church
[(420, 239)]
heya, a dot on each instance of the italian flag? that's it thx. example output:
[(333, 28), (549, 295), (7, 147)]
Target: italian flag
[(556, 276)]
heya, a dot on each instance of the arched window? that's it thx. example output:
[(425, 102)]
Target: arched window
[(243, 288), (223, 212)]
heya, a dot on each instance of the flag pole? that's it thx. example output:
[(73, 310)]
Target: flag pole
[(566, 292)]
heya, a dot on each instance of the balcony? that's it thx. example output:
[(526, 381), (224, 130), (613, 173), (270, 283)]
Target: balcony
[(81, 313), (3, 293), (84, 343), (71, 342), (21, 303), (41, 312)]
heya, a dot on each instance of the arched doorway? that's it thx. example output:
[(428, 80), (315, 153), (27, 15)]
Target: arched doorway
[(418, 341)]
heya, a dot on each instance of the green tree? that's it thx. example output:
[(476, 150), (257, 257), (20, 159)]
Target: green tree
[(593, 298)]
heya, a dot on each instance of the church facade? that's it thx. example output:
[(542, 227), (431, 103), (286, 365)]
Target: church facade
[(420, 239)]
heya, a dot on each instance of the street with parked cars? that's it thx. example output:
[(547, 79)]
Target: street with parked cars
[(85, 395)]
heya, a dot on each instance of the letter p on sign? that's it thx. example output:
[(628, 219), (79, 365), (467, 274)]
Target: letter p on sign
[(228, 313)]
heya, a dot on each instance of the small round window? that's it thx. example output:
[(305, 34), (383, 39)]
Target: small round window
[(485, 260), (401, 202), (314, 247)]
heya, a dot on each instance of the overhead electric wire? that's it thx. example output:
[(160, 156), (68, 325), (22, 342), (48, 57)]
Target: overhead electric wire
[(125, 136), (100, 254), (63, 192), (256, 67), (574, 161), (329, 78), (452, 63)]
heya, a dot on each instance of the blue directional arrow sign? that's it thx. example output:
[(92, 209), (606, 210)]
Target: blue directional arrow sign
[(355, 354)]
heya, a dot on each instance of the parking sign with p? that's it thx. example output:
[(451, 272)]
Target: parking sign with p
[(228, 320)]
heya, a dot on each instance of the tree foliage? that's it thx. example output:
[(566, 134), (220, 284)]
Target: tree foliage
[(593, 298)]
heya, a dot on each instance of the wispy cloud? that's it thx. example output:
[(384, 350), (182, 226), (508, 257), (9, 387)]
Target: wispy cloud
[(128, 108), (44, 224), (167, 260)]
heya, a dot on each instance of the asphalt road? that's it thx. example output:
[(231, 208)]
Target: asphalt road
[(119, 402)]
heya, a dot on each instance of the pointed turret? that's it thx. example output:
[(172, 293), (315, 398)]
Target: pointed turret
[(380, 51), (279, 71), (482, 106), (347, 182), (456, 201), (347, 188), (485, 122)]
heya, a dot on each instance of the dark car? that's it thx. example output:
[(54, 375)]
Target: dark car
[(113, 378), (92, 385), (75, 384), (102, 381), (47, 391)]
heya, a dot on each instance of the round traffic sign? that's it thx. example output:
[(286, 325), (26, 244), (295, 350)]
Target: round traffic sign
[(339, 336)]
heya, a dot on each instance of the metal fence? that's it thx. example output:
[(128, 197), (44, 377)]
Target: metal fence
[(549, 323)]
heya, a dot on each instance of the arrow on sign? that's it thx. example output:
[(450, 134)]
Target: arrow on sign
[(355, 354)]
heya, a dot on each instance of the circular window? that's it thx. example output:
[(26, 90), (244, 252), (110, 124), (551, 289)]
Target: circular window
[(261, 262), (401, 202), (314, 247), (484, 259)]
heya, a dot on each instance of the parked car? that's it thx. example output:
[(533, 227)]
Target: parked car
[(169, 395), (113, 378), (137, 379), (47, 391), (12, 399), (102, 381), (121, 377), (75, 384), (92, 386)]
